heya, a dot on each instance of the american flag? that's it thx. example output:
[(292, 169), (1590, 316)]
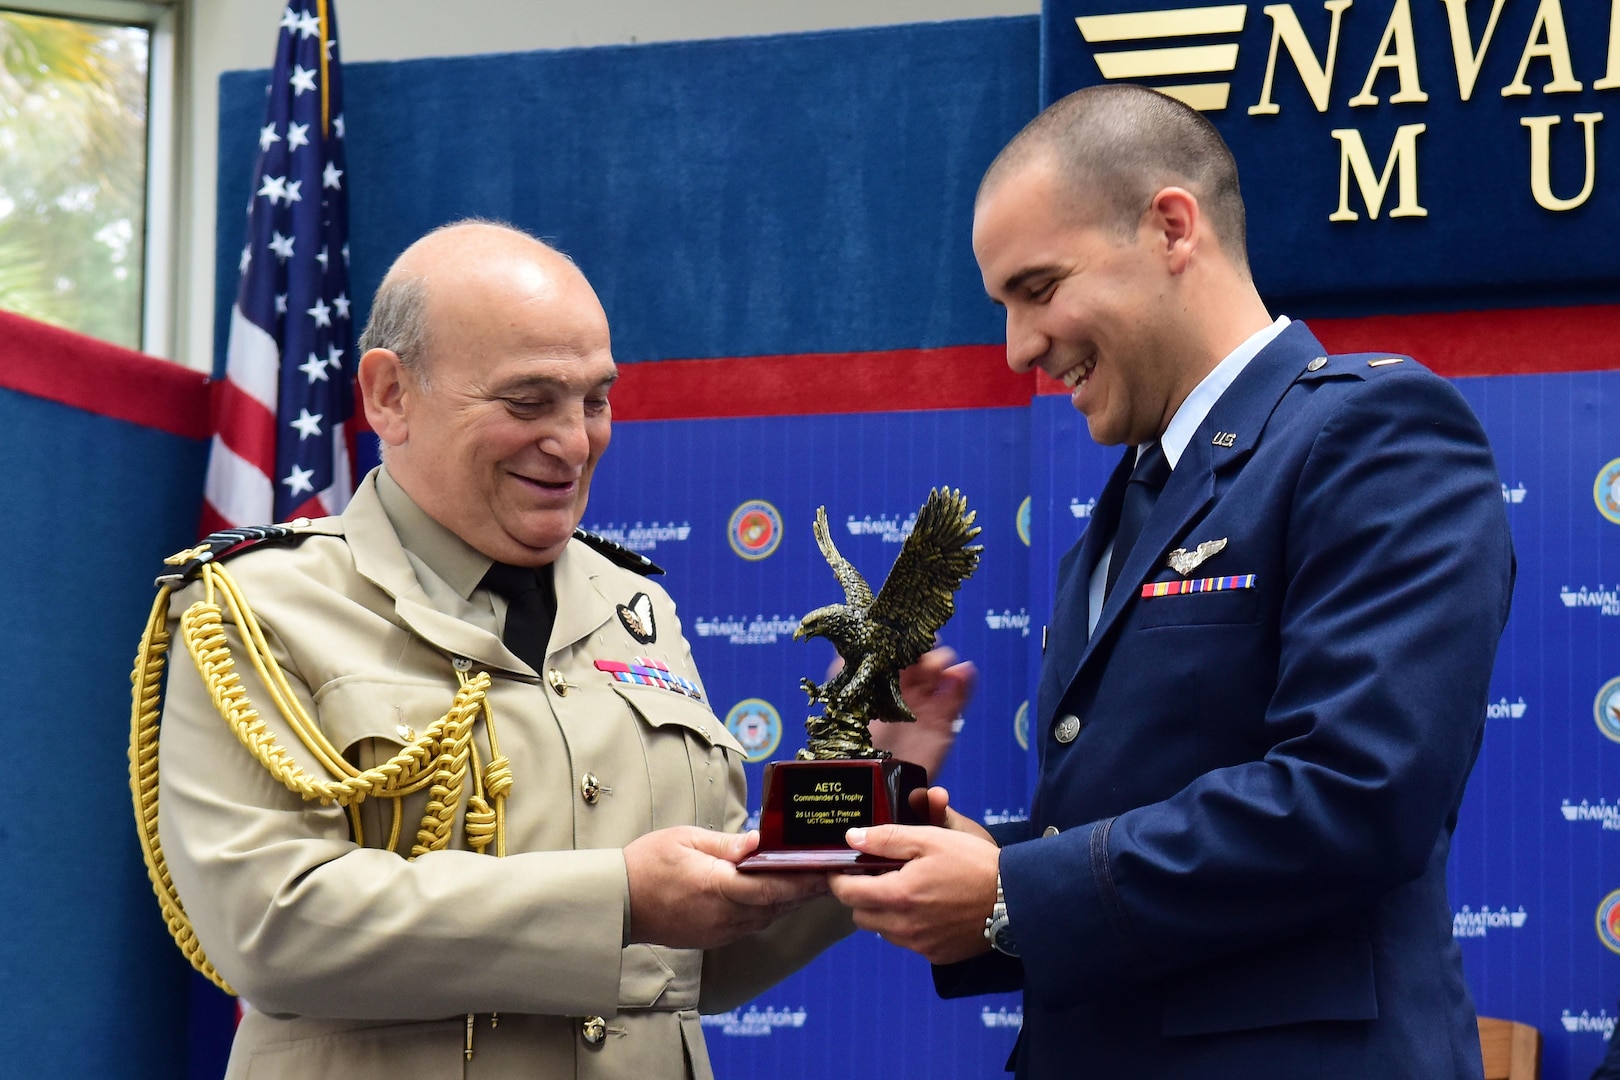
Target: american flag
[(283, 435)]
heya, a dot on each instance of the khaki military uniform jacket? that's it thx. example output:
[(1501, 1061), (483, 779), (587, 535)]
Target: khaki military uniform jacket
[(361, 964)]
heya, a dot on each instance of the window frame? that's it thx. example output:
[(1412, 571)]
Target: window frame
[(159, 241)]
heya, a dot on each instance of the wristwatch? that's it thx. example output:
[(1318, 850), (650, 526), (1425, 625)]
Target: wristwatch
[(997, 930)]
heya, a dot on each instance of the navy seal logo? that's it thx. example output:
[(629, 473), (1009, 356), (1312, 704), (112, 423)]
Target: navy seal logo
[(637, 617)]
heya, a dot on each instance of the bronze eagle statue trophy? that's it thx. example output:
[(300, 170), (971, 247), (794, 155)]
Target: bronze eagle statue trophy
[(879, 636)]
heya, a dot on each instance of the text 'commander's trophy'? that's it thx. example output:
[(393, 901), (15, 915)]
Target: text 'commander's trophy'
[(841, 781)]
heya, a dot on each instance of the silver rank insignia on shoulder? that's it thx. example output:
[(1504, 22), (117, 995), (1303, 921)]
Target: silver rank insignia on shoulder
[(1224, 438), (1387, 361), (637, 617), (1184, 562)]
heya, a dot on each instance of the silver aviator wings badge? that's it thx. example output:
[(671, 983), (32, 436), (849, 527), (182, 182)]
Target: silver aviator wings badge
[(1184, 562)]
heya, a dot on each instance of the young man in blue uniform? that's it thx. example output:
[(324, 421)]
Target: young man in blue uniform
[(1265, 678)]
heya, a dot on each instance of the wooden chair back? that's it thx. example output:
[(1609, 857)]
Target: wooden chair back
[(1512, 1051)]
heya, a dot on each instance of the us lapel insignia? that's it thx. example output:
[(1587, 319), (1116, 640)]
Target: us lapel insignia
[(637, 617), (1184, 562), (1225, 439)]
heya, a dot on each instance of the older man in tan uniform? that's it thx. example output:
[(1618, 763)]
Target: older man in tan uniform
[(616, 913)]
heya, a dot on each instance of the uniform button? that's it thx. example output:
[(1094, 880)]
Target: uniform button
[(406, 733), (590, 788), (1068, 726), (593, 1029), (558, 682), (461, 663), (1049, 831), (1317, 365)]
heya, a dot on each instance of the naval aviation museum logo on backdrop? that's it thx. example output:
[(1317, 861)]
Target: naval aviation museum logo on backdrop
[(1503, 709), (1587, 1024), (755, 1020), (643, 537), (757, 725), (891, 530), (1337, 110), (1605, 813), (759, 630), (1606, 491), (1605, 599), (755, 529), (1469, 923)]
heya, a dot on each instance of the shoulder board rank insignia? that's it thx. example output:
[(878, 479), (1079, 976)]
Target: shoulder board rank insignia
[(1354, 365), (187, 565), (618, 554)]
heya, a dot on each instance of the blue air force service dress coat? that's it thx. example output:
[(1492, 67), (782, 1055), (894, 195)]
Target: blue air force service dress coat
[(1234, 864), (361, 964)]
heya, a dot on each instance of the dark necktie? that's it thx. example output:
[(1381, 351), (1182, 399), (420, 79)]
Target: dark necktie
[(1141, 492), (531, 609)]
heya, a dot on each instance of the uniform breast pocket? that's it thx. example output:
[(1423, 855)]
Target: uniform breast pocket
[(370, 722), (680, 729), (351, 710), (660, 708), (1231, 606)]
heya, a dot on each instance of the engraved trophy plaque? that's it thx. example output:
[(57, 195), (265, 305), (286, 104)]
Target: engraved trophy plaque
[(841, 781)]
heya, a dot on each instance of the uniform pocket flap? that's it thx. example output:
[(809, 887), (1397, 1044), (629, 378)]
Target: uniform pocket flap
[(352, 710), (1292, 983), (1209, 608), (660, 707)]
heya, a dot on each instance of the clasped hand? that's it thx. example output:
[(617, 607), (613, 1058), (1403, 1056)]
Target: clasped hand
[(937, 902), (686, 891)]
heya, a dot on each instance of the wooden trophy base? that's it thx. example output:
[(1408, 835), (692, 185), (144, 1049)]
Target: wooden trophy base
[(808, 806)]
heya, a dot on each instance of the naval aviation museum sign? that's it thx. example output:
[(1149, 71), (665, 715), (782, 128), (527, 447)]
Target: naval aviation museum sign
[(1398, 153)]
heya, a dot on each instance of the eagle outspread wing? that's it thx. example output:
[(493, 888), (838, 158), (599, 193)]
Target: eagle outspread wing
[(919, 595), (857, 593)]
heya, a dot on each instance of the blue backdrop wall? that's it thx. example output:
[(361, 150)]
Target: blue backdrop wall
[(812, 194), (92, 983)]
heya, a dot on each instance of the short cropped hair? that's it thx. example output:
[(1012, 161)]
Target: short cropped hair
[(398, 320), (1117, 146)]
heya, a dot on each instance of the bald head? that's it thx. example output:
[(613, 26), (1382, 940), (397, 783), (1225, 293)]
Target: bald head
[(399, 320), (485, 371), (1115, 147)]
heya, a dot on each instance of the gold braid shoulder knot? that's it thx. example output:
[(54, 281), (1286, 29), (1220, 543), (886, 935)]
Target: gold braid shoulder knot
[(438, 759)]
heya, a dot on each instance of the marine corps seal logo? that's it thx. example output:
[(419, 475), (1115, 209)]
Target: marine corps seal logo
[(1608, 921), (755, 529)]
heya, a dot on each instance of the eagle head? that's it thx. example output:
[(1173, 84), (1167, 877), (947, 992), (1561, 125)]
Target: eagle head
[(835, 622)]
